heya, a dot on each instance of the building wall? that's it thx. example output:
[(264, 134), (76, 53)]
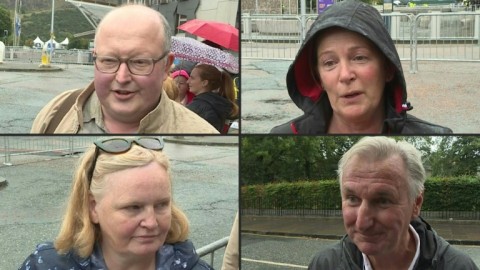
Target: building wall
[(218, 10), (212, 10)]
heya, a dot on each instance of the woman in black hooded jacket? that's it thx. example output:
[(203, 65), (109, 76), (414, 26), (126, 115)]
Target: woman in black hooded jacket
[(347, 78), (214, 98)]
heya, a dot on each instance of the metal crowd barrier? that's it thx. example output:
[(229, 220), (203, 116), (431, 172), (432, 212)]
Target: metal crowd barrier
[(212, 247), (42, 146), (444, 36), (60, 56)]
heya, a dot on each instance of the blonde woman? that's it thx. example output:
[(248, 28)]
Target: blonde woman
[(121, 214)]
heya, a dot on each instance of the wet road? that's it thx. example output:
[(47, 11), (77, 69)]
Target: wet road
[(269, 252), (205, 186), (25, 93)]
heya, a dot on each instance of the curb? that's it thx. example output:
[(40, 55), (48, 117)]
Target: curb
[(338, 237), (321, 236), (199, 142), (28, 69)]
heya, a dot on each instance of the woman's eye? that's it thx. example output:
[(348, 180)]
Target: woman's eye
[(328, 64), (360, 58), (163, 205)]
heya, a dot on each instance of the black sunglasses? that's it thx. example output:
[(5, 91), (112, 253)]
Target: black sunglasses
[(122, 145)]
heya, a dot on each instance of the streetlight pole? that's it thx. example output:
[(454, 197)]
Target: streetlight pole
[(51, 32), (14, 24)]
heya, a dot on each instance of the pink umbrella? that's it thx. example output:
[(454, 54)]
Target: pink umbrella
[(220, 33), (193, 50)]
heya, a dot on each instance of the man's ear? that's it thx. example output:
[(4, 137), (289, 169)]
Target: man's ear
[(417, 206), (92, 204), (170, 57)]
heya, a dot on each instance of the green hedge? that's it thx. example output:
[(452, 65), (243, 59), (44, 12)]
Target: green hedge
[(453, 194), (441, 194)]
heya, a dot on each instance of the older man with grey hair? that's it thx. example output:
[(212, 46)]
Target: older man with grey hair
[(382, 187)]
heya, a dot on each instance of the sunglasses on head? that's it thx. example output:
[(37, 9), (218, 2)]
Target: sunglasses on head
[(122, 145)]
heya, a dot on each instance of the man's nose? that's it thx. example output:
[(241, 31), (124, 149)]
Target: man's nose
[(123, 74), (365, 217)]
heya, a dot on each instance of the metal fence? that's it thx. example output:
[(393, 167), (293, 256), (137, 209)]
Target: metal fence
[(17, 149), (212, 247), (322, 208), (447, 36), (60, 56)]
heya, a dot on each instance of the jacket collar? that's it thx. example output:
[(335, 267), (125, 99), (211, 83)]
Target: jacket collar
[(430, 248), (181, 255), (318, 119), (151, 123)]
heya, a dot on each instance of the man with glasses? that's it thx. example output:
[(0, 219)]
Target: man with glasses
[(132, 59)]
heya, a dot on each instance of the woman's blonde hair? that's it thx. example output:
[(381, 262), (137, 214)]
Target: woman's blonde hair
[(77, 232), (170, 88)]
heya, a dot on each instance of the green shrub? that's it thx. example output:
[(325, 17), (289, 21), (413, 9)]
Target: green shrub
[(441, 194)]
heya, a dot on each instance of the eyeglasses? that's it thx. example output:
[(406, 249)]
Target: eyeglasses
[(136, 66), (122, 145)]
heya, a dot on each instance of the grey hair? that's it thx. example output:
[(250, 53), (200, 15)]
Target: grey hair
[(167, 33), (381, 148)]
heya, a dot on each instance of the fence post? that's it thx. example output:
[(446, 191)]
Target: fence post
[(7, 152), (247, 26), (413, 44), (70, 146)]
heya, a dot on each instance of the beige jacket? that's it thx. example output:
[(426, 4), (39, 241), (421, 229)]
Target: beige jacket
[(85, 116), (231, 258)]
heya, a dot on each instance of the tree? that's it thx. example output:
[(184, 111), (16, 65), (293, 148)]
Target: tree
[(269, 159), (455, 156), (5, 21)]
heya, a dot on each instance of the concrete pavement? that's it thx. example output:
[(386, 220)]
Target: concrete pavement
[(455, 232)]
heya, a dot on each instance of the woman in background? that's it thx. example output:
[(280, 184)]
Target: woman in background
[(214, 95)]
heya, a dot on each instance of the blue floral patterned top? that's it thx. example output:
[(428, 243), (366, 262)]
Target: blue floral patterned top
[(179, 256)]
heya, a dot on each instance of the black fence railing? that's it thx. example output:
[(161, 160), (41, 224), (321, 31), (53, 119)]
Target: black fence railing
[(320, 207)]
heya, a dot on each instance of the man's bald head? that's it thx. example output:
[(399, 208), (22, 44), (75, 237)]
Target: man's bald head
[(135, 15)]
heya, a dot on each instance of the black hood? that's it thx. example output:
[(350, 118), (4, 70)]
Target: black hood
[(357, 17)]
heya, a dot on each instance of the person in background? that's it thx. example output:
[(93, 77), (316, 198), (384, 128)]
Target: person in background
[(170, 88), (382, 190), (132, 58), (347, 78), (181, 77), (231, 258), (214, 95), (112, 222)]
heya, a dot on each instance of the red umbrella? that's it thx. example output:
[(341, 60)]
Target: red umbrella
[(220, 33)]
